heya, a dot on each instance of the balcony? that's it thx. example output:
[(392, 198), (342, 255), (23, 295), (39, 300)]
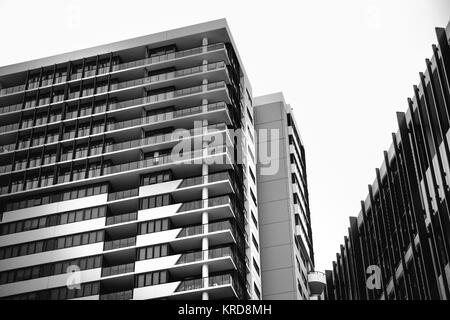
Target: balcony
[(119, 195), (118, 244), (221, 153), (122, 295), (119, 269), (121, 218), (317, 282), (219, 287), (204, 255), (120, 67), (220, 233)]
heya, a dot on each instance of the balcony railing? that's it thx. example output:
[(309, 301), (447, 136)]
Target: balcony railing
[(166, 76), (195, 181), (121, 218), (198, 204), (121, 243), (186, 158), (204, 255), (149, 119), (122, 295), (165, 137), (201, 229), (165, 96), (168, 137), (123, 194), (119, 269), (196, 284), (119, 67)]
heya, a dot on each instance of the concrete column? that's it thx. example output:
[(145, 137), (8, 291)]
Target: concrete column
[(204, 44), (205, 218), (205, 65), (205, 85)]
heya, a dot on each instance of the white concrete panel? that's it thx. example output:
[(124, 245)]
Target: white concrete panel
[(56, 231), (159, 188), (55, 207), (157, 237), (59, 280), (156, 263), (51, 256), (159, 212), (157, 291)]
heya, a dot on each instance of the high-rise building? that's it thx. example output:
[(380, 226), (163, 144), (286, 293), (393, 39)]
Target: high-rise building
[(399, 245), (130, 167), (287, 257)]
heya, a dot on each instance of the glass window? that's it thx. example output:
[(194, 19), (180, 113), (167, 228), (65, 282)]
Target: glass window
[(64, 218), (90, 263), (76, 240), (148, 279), (156, 278), (157, 251), (144, 228), (84, 238), (157, 225), (150, 253), (79, 216), (69, 241), (163, 277), (164, 250), (61, 242), (141, 280), (71, 217), (151, 227)]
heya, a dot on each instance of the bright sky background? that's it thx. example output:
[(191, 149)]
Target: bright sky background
[(345, 66)]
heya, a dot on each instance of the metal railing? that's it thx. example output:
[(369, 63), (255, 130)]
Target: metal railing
[(119, 269), (200, 229), (121, 295), (196, 284), (194, 181), (204, 255), (198, 204), (131, 216), (120, 243), (118, 67), (123, 194)]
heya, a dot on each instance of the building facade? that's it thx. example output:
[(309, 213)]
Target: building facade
[(286, 245), (98, 199), (399, 245)]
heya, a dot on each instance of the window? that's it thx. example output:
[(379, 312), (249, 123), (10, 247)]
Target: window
[(157, 177), (155, 201), (151, 278), (154, 226)]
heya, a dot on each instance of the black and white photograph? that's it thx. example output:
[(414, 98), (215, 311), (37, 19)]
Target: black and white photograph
[(224, 159)]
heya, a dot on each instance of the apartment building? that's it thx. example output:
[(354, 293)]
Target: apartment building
[(398, 247), (97, 199), (287, 256)]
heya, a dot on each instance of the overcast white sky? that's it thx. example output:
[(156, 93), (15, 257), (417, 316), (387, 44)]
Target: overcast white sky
[(346, 67)]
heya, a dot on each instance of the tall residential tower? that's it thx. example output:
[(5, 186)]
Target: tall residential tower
[(287, 257), (91, 178)]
